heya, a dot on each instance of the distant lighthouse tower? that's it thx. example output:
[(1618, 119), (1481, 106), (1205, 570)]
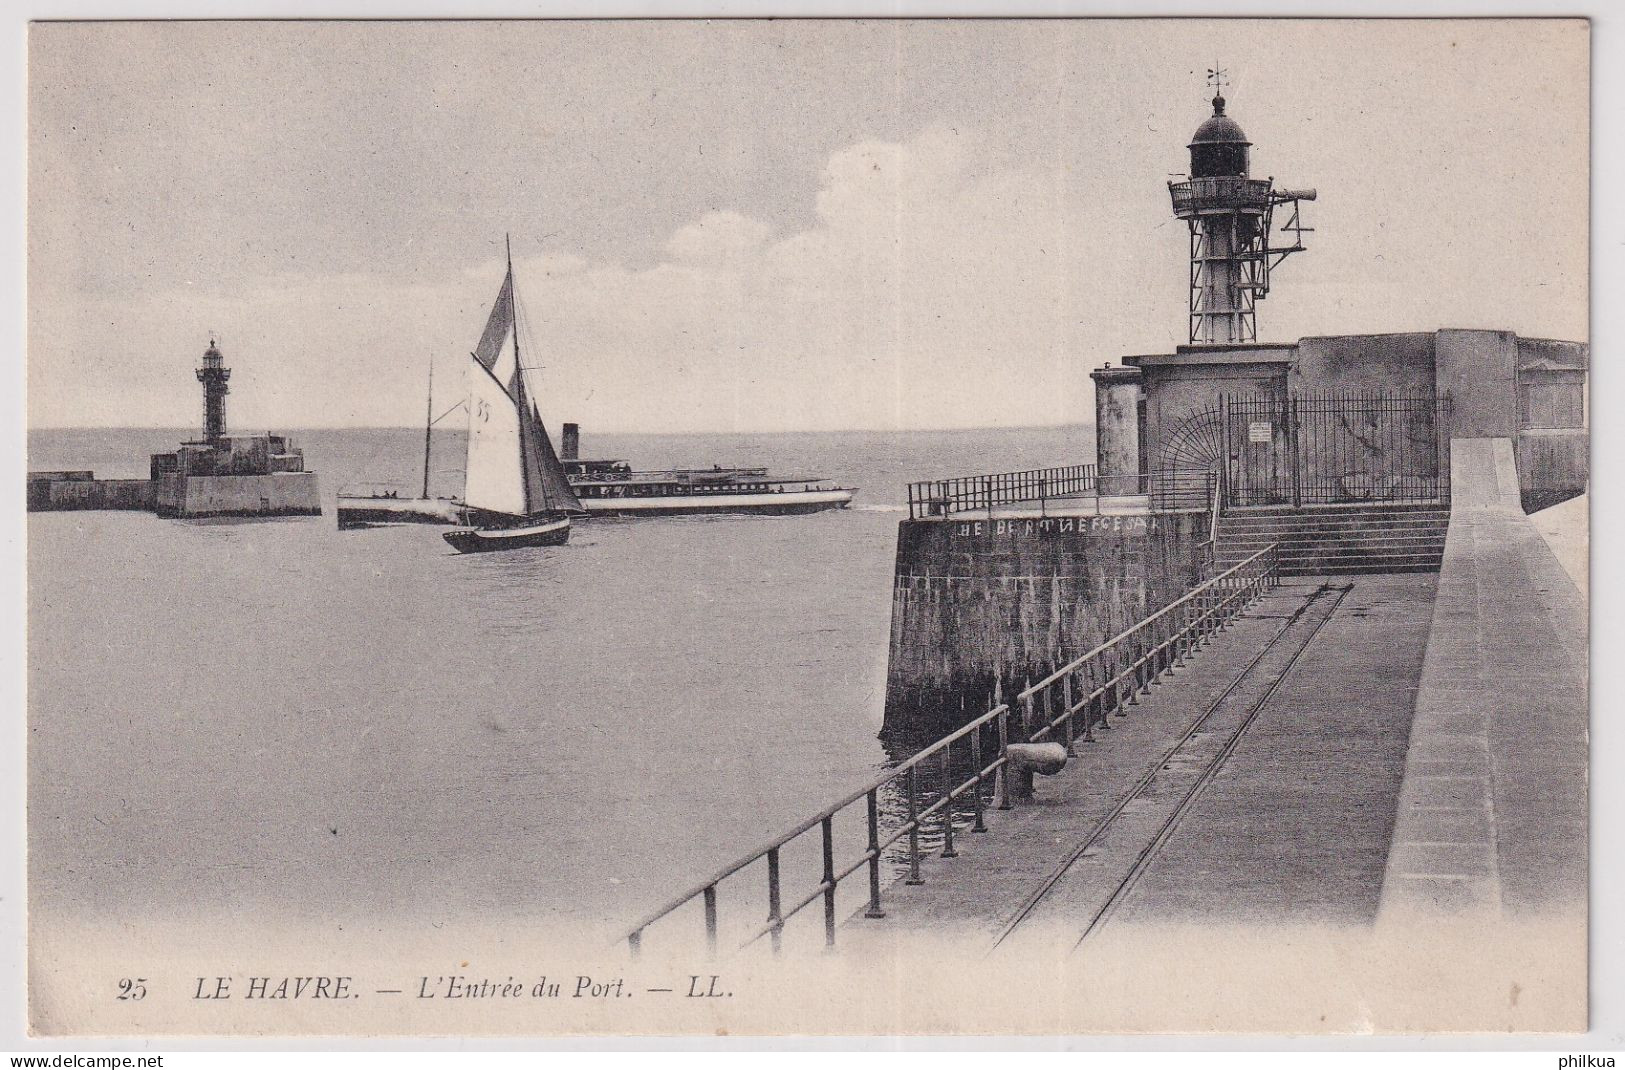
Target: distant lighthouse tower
[(1230, 217), (213, 376)]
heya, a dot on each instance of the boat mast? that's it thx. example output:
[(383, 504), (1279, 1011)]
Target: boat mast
[(518, 373), (428, 429)]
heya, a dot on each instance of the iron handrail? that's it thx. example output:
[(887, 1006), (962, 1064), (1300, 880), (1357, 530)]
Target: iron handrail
[(962, 494), (1194, 594), (901, 770), (1215, 602), (1176, 631), (939, 497)]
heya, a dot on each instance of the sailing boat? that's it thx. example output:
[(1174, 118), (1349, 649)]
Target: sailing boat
[(385, 504), (515, 493)]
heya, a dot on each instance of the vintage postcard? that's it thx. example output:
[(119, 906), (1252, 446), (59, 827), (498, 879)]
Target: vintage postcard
[(872, 526)]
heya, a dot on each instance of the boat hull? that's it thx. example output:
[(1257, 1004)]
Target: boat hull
[(783, 504), (355, 512), (552, 531)]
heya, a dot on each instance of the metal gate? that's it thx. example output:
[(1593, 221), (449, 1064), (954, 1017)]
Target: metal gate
[(1332, 448)]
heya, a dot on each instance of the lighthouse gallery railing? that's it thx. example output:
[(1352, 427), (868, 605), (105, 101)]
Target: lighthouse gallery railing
[(1066, 706)]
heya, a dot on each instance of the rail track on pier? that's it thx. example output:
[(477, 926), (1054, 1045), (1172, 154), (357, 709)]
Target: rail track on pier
[(1082, 892)]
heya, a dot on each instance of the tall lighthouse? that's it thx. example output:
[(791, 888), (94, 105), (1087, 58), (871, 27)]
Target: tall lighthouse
[(1231, 218), (213, 376)]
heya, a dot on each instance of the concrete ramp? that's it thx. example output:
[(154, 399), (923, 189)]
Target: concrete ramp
[(1492, 812), (1567, 530), (1484, 475)]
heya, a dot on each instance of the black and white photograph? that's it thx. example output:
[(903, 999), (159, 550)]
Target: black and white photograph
[(807, 527)]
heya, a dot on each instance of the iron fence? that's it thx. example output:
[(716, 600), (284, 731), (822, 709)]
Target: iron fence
[(1180, 491), (942, 497), (1066, 706), (1335, 448)]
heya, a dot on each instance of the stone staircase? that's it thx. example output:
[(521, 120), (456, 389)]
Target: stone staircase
[(1333, 540)]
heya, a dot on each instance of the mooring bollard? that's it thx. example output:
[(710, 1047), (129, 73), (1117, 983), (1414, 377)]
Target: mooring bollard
[(1029, 758)]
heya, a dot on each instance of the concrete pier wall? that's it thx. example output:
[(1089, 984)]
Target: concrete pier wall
[(976, 601), (278, 494), (66, 494)]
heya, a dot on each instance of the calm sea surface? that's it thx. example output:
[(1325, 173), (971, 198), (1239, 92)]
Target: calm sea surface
[(279, 718)]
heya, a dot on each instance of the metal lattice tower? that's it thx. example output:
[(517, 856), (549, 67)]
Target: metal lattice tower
[(1231, 218)]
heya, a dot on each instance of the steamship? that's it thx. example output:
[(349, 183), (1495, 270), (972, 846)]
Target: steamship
[(610, 487)]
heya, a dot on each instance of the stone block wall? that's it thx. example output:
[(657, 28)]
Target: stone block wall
[(980, 601)]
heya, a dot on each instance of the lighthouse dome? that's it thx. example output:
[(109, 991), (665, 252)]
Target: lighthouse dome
[(1219, 146)]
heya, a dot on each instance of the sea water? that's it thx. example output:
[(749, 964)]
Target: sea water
[(280, 719)]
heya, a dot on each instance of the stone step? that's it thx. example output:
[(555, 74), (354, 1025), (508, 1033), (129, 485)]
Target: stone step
[(1394, 508), (1363, 569), (1291, 552), (1325, 553), (1338, 540), (1329, 524), (1304, 535), (1375, 563), (1246, 547)]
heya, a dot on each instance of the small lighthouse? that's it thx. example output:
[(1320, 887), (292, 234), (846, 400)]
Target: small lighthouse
[(1231, 216), (213, 376)]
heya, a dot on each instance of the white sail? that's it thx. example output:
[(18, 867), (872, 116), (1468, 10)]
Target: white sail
[(505, 364), (496, 475)]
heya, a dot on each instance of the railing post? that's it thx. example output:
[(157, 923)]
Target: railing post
[(1066, 700), (1180, 633), (874, 910), (948, 805), (1133, 657), (976, 787), (913, 828), (773, 906), (1001, 777), (1027, 721), (829, 880), (711, 918)]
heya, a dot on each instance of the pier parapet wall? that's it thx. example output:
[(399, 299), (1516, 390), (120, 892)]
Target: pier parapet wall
[(277, 494), (977, 601), (53, 491)]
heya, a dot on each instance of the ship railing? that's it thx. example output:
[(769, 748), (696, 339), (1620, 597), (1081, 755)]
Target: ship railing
[(370, 488), (960, 494), (946, 785)]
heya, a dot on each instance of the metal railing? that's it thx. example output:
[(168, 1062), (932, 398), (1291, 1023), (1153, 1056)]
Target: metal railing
[(1210, 546), (1090, 687), (940, 497), (1219, 192)]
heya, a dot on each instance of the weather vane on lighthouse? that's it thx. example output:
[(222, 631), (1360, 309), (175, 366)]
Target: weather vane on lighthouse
[(1231, 218)]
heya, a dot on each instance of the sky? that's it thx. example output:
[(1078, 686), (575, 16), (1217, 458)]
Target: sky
[(756, 225)]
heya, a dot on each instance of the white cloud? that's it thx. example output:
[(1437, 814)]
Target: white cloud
[(931, 293)]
